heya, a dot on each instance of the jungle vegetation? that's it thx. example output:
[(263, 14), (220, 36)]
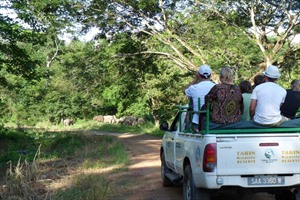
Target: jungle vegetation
[(144, 53)]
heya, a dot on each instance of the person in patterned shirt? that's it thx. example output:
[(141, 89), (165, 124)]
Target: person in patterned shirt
[(197, 89), (226, 101)]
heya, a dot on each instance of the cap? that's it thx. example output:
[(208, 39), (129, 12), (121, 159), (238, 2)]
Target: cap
[(272, 71), (204, 70)]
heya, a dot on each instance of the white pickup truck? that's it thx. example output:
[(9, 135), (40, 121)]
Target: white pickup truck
[(237, 157)]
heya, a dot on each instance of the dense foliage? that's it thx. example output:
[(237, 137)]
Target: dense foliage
[(142, 57)]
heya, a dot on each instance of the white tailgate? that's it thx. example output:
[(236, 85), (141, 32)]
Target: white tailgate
[(258, 154)]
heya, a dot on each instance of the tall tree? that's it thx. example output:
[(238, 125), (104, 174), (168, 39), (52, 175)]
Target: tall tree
[(13, 55), (178, 25), (271, 24)]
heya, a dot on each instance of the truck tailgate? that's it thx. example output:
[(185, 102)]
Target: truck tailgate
[(258, 154)]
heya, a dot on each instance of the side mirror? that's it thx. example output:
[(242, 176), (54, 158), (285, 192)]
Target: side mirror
[(164, 126)]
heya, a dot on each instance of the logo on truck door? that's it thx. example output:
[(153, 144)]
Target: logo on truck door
[(269, 153)]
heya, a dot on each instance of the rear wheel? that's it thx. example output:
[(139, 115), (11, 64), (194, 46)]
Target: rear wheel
[(297, 195), (287, 195), (190, 191), (166, 182)]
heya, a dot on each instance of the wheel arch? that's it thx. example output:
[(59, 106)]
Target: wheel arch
[(161, 152), (186, 162)]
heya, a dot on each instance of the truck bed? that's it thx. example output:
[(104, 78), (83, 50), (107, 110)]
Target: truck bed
[(250, 127), (238, 127)]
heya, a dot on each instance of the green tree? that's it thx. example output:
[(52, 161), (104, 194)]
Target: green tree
[(271, 24), (180, 31), (20, 73), (14, 56)]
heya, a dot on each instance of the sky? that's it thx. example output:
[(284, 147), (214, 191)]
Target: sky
[(86, 37), (66, 37), (297, 39)]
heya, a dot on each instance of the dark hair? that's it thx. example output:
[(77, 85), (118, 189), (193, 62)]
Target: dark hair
[(296, 86), (258, 79), (245, 87), (271, 79), (293, 81), (205, 76)]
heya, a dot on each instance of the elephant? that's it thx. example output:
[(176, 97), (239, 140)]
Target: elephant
[(68, 122), (99, 118)]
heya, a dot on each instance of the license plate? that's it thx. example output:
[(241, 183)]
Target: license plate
[(266, 180)]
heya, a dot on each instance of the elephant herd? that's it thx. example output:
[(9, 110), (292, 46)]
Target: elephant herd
[(112, 119)]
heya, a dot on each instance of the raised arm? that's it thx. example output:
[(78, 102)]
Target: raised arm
[(252, 107)]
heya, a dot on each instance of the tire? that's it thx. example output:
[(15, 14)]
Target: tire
[(286, 195), (190, 191), (166, 182), (297, 195)]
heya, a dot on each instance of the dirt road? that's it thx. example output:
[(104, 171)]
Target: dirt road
[(143, 176)]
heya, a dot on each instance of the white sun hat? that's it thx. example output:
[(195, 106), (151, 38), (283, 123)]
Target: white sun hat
[(272, 71)]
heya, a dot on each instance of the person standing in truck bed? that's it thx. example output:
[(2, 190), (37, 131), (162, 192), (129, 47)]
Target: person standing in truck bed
[(267, 98), (292, 101), (198, 88)]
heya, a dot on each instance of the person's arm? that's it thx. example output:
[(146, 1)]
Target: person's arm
[(252, 108), (242, 104)]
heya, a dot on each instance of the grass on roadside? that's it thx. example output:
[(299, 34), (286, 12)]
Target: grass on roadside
[(91, 186), (68, 166)]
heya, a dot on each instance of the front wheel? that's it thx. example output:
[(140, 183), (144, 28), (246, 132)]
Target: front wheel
[(190, 191)]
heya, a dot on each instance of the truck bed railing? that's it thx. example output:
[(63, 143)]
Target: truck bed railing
[(188, 110)]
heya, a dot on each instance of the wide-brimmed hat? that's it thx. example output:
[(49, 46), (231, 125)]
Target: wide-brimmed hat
[(272, 71), (204, 70)]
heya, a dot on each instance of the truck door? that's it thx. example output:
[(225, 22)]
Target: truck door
[(170, 142), (182, 140), (179, 150)]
